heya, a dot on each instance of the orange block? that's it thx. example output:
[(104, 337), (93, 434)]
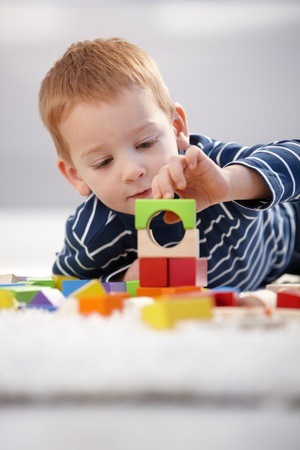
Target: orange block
[(186, 296), (158, 291), (103, 305)]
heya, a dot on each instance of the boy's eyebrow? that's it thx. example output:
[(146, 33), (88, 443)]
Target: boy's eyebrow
[(100, 147), (92, 150)]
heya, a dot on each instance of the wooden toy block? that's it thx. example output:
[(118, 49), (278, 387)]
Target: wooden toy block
[(153, 272), (287, 299), (9, 278), (104, 305), (163, 315), (148, 247), (184, 289), (69, 286), (187, 271), (185, 295), (114, 286), (48, 282), (55, 297), (145, 209), (106, 285), (40, 300), (7, 301), (91, 288), (159, 291), (225, 298), (23, 294), (291, 287), (131, 287), (201, 272), (58, 279), (149, 291)]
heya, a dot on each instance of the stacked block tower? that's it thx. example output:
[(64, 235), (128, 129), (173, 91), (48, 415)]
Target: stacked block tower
[(176, 266)]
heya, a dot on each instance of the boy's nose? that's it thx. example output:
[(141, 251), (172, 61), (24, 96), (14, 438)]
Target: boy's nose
[(132, 169)]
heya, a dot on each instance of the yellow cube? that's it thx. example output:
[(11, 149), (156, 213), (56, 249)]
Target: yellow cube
[(7, 301), (58, 279), (164, 314)]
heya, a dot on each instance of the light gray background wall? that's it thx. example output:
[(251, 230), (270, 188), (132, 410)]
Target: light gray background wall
[(234, 66)]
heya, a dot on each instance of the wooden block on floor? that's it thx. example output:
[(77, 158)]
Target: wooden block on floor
[(291, 287), (103, 305), (23, 294), (7, 301), (58, 279), (159, 291), (163, 315), (91, 288), (188, 247), (9, 278), (131, 287), (185, 295), (225, 298), (40, 299), (47, 282), (287, 299), (145, 209), (70, 286), (153, 272), (115, 286)]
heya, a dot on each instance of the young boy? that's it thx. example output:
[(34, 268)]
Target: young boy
[(120, 137)]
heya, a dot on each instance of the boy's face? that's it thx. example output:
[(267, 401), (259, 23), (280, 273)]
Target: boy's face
[(118, 147)]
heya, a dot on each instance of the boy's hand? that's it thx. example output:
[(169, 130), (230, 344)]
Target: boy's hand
[(192, 175), (132, 272), (195, 175)]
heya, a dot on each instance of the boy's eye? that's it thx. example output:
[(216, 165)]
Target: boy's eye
[(103, 163), (147, 144)]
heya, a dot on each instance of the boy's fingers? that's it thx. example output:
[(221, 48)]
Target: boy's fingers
[(192, 156), (177, 165), (164, 183), (156, 193)]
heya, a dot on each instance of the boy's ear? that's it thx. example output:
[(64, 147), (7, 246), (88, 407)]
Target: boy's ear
[(73, 177), (181, 127)]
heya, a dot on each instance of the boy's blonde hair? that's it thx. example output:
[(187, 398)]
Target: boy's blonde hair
[(96, 70)]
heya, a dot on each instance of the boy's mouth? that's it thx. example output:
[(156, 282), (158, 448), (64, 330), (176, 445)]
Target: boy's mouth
[(142, 194)]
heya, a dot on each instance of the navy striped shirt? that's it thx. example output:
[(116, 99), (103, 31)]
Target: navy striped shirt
[(247, 243)]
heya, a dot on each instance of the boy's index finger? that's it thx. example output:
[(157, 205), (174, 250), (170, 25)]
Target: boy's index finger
[(192, 156)]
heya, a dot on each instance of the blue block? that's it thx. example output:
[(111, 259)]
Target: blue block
[(69, 286), (47, 307), (226, 288)]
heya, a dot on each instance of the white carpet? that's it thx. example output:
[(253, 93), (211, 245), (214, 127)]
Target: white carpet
[(44, 356)]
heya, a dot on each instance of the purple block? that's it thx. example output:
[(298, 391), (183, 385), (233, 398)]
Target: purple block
[(106, 286), (117, 286), (40, 299)]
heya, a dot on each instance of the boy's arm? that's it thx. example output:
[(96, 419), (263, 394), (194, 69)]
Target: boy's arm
[(268, 173)]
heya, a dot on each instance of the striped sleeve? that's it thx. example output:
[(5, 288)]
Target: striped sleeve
[(278, 163), (97, 244)]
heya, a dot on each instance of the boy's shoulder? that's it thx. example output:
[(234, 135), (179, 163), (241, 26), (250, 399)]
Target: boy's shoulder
[(201, 140), (91, 217)]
